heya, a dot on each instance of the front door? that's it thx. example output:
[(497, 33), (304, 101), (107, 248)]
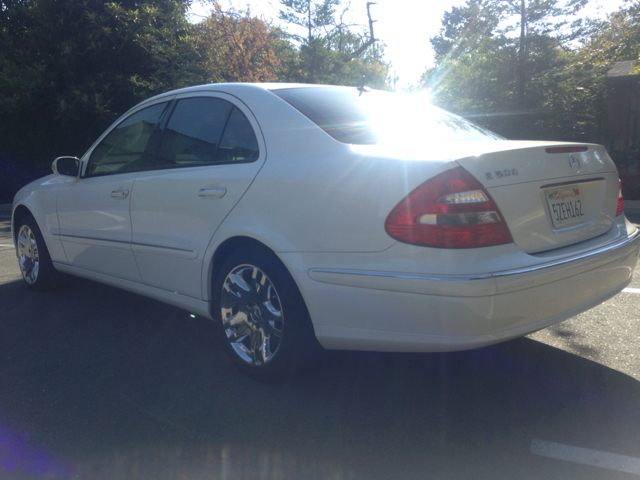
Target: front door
[(94, 210)]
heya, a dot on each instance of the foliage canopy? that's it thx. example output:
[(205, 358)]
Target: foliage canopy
[(530, 68), (68, 68), (329, 50)]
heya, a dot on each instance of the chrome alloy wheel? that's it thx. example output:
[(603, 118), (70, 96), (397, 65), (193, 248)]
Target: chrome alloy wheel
[(251, 314), (28, 255)]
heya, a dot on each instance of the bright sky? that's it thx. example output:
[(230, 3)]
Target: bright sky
[(405, 26)]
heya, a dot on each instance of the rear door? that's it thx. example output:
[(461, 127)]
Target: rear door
[(209, 154)]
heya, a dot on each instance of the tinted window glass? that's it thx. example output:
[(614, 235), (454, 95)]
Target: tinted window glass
[(193, 132), (127, 147), (238, 143), (375, 117), (206, 130)]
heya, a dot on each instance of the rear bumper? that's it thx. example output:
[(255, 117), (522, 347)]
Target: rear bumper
[(365, 310)]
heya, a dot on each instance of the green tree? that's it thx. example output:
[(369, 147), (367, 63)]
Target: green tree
[(614, 39), (68, 68), (506, 62), (329, 50), (542, 24)]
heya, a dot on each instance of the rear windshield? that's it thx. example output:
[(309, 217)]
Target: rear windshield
[(375, 117)]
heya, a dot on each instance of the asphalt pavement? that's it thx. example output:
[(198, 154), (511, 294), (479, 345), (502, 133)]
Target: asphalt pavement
[(98, 383)]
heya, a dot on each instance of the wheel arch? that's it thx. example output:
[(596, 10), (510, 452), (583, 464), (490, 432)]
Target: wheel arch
[(20, 212), (226, 248), (300, 343)]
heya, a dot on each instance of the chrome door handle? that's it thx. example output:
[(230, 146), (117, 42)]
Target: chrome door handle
[(120, 194), (212, 192)]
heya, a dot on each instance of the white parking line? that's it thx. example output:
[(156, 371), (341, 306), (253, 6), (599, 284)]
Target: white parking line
[(1, 245), (586, 456), (631, 290)]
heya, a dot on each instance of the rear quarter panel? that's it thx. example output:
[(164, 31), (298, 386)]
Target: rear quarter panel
[(315, 194)]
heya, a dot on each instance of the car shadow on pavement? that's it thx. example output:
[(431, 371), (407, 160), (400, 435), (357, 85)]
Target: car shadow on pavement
[(100, 383)]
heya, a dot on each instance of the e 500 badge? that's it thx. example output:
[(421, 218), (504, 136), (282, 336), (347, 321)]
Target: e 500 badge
[(501, 173)]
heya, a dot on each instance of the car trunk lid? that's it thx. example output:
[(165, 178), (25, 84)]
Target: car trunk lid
[(550, 194)]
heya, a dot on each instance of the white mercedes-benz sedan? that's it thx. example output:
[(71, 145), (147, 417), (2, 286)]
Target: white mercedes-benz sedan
[(295, 215)]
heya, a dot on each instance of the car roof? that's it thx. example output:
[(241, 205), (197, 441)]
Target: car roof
[(240, 87)]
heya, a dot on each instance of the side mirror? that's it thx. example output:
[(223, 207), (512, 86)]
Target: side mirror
[(69, 166)]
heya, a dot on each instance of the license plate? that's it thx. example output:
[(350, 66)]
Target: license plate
[(565, 206)]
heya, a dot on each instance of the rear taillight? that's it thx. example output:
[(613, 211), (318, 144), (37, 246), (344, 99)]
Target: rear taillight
[(620, 200), (452, 210)]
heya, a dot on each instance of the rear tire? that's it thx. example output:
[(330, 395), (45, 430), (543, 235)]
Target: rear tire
[(33, 257), (265, 325)]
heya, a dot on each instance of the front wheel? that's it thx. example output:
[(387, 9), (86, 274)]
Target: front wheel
[(266, 328), (33, 257)]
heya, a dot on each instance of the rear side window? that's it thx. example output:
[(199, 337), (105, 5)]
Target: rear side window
[(337, 111), (129, 146), (238, 144), (205, 131)]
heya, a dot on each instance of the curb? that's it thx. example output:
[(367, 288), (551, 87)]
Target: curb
[(6, 208)]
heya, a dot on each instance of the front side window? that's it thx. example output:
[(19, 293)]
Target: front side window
[(128, 147), (204, 131)]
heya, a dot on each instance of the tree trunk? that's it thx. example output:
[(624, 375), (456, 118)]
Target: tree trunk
[(309, 19), (522, 55)]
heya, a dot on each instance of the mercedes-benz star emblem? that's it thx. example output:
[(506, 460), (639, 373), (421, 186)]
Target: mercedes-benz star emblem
[(575, 163)]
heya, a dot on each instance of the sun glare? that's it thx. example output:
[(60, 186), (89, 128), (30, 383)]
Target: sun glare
[(403, 26)]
